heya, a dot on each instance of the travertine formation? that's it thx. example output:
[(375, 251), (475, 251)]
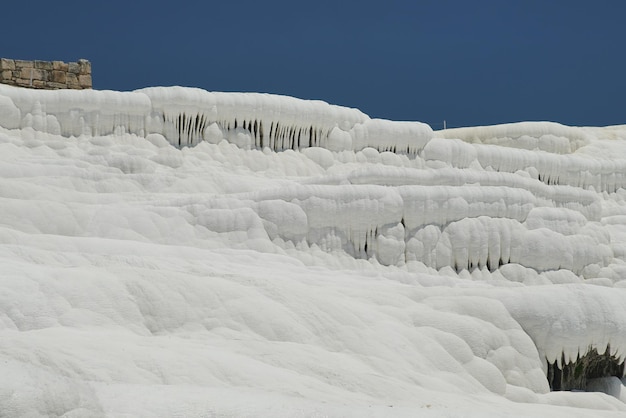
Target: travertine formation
[(49, 75), (580, 372)]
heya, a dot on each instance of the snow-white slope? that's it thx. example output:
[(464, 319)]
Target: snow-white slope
[(175, 252)]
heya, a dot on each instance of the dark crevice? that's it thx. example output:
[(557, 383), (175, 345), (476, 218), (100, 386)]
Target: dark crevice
[(191, 130), (575, 375)]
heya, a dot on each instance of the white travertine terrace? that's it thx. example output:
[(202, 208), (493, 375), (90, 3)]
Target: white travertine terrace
[(284, 233)]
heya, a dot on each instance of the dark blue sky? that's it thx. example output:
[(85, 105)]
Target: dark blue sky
[(469, 62)]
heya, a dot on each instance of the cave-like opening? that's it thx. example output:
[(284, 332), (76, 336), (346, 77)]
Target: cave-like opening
[(576, 374)]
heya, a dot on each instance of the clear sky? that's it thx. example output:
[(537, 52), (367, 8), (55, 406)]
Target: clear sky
[(468, 62)]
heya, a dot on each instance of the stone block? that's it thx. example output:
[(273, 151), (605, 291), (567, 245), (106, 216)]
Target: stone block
[(74, 68), (40, 75), (32, 73), (43, 65), (60, 65), (84, 80), (72, 81), (39, 84), (54, 85), (58, 77), (26, 72), (84, 66), (7, 64), (24, 64), (6, 75)]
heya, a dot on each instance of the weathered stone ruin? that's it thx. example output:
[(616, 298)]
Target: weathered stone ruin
[(50, 75)]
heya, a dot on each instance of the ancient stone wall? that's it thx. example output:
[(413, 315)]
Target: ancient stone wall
[(49, 75)]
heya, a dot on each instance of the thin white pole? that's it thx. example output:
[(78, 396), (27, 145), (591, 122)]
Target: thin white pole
[(444, 124)]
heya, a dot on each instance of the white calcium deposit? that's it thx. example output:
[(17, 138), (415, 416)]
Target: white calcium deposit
[(177, 252)]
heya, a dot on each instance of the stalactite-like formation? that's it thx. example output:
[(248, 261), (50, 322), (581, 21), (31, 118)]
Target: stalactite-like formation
[(576, 374), (191, 129)]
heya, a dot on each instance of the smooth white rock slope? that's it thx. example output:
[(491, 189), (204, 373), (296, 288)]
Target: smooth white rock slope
[(177, 252)]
